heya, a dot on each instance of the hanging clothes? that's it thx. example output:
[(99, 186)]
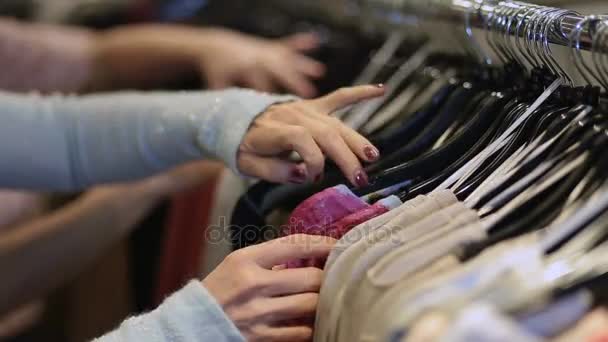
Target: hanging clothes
[(500, 173)]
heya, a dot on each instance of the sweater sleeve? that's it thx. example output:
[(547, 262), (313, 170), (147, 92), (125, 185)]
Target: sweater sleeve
[(68, 143), (190, 314)]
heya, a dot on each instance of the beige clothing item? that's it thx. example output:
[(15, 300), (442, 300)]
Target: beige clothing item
[(429, 328), (402, 262), (339, 271), (395, 308), (374, 281), (446, 265), (356, 234)]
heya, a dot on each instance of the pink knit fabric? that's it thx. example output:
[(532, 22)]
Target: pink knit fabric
[(323, 209), (338, 228), (43, 58)]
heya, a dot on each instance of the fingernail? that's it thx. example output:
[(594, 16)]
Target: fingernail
[(371, 153), (297, 176), (361, 179), (380, 85)]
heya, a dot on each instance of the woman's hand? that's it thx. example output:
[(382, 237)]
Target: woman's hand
[(307, 128), (263, 300), (262, 64), (166, 53)]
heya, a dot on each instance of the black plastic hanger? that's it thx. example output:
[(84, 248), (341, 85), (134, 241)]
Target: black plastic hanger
[(390, 138), (439, 123), (434, 162), (429, 185)]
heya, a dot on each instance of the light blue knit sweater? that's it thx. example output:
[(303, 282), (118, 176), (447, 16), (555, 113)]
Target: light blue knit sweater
[(70, 143), (191, 314)]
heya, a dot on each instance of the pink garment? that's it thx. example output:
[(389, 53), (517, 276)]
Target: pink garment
[(44, 58), (340, 227), (337, 229), (323, 209)]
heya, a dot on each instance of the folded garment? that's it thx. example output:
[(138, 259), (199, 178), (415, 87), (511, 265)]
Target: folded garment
[(339, 227), (323, 209)]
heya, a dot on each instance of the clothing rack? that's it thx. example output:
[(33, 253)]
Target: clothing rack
[(405, 13), (478, 13)]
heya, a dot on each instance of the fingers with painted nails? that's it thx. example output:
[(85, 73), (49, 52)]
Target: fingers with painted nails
[(306, 127)]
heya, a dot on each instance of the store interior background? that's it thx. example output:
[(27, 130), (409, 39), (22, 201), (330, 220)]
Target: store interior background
[(74, 313)]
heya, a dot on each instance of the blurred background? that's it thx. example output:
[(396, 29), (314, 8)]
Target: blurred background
[(139, 272)]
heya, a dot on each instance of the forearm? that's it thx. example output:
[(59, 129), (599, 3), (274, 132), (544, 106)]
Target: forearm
[(42, 254), (50, 58), (149, 55), (91, 140)]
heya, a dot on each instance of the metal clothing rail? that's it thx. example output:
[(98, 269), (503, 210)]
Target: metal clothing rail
[(404, 13), (478, 13)]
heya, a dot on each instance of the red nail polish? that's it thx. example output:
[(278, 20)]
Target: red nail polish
[(297, 176), (371, 153), (361, 179)]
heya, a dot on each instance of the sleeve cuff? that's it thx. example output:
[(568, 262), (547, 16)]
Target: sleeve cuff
[(232, 125), (215, 317)]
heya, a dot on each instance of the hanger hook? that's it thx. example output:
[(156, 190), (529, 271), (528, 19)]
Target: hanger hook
[(543, 15), (598, 53), (490, 35), (576, 53), (551, 28), (537, 30), (507, 12), (494, 30), (473, 43), (530, 36), (485, 57), (507, 20), (498, 32), (516, 42)]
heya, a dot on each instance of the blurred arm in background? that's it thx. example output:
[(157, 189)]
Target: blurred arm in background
[(51, 58), (40, 255)]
